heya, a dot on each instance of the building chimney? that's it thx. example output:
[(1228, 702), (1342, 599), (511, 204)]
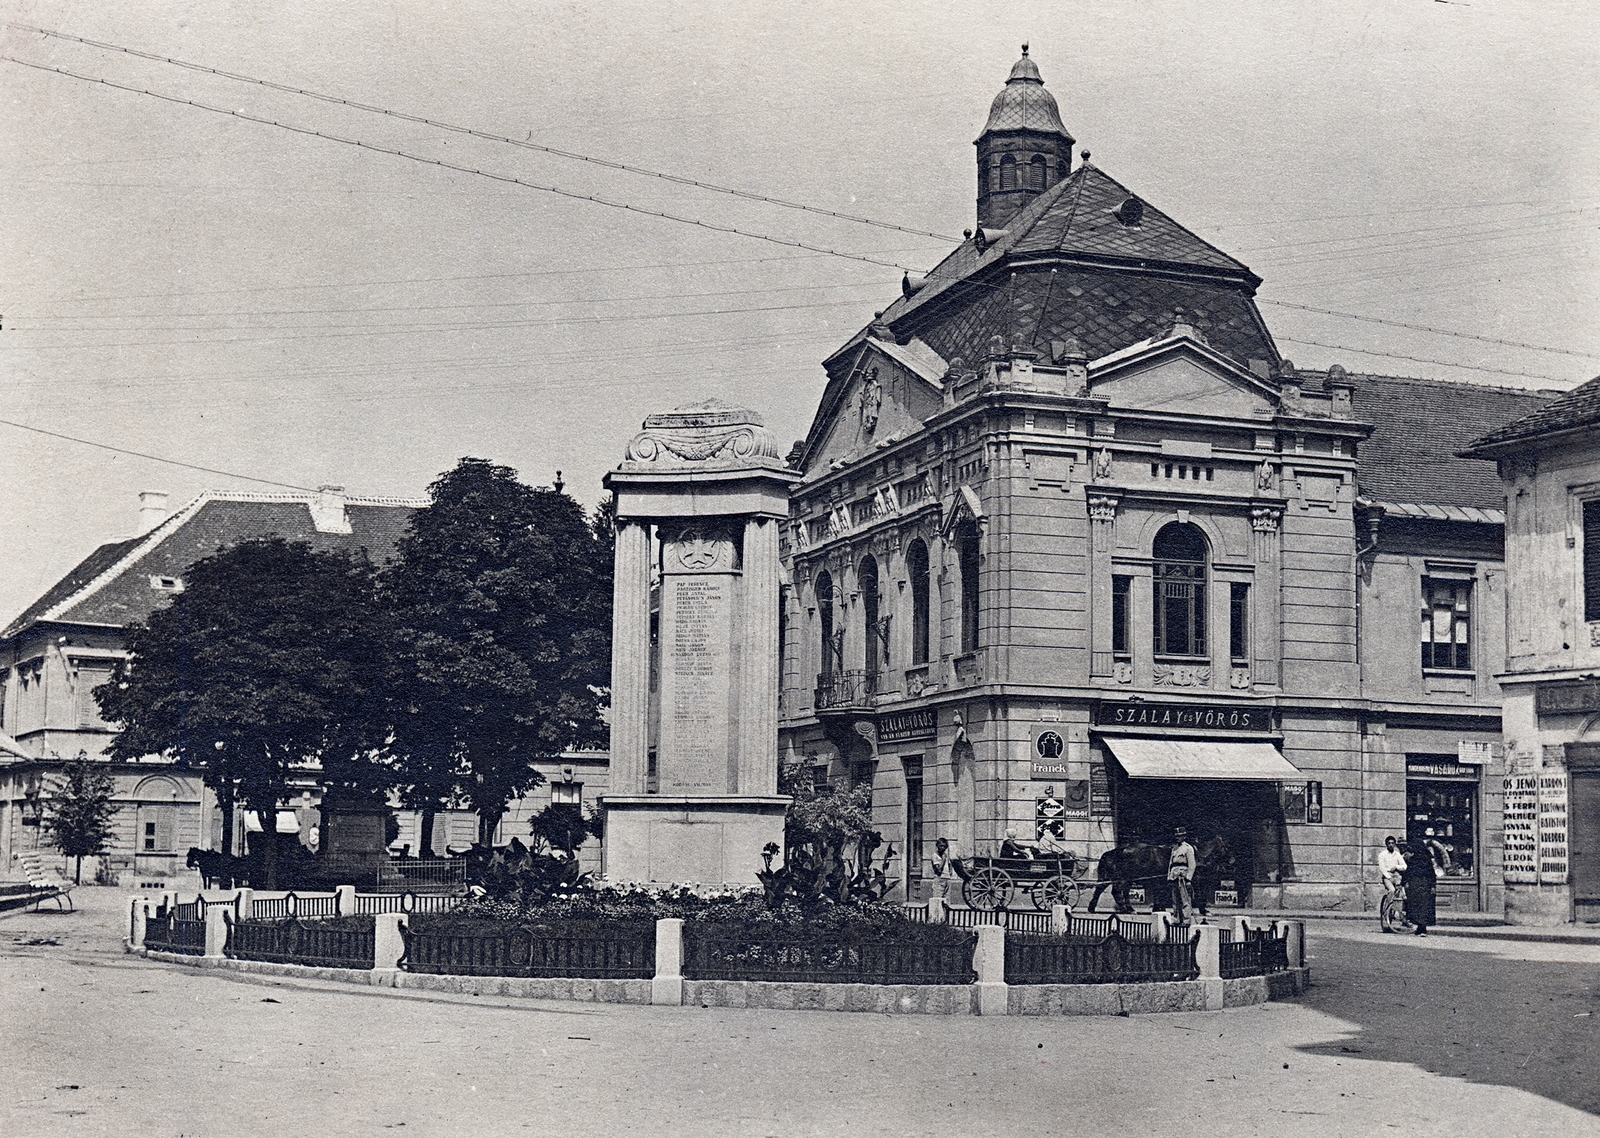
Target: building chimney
[(152, 510), (327, 510)]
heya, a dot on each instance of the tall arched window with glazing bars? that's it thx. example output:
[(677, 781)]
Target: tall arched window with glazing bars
[(917, 572), (1178, 586)]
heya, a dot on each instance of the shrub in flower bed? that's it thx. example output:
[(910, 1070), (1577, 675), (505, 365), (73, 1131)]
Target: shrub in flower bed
[(607, 911)]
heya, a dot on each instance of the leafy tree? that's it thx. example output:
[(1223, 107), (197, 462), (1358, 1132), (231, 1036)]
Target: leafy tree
[(79, 810), (828, 842), (270, 659), (561, 826), (502, 604)]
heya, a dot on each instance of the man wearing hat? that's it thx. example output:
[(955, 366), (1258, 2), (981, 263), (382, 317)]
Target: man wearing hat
[(1180, 872)]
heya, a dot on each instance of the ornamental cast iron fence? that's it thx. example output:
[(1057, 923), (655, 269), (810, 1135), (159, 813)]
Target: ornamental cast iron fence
[(316, 944), (1114, 959), (712, 953), (1257, 954), (851, 688), (626, 952), (293, 905), (430, 903), (180, 928)]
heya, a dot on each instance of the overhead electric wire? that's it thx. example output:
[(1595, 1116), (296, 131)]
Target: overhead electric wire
[(526, 144), (506, 178), (1426, 328), (1419, 359), (153, 457)]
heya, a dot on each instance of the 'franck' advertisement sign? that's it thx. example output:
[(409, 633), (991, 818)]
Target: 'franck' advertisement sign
[(1183, 716)]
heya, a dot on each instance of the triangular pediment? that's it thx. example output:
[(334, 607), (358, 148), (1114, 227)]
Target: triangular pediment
[(1183, 376), (880, 393)]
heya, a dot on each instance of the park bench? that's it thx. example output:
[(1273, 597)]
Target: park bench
[(50, 888)]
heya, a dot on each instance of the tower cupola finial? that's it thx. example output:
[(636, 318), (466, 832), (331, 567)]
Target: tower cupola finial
[(1024, 148)]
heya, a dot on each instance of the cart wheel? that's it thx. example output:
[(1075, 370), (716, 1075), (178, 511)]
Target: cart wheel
[(987, 888), (1058, 890)]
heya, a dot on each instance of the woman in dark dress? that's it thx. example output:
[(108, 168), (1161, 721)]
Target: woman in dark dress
[(1419, 880)]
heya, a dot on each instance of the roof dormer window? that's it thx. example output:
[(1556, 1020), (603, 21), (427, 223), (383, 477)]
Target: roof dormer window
[(167, 584)]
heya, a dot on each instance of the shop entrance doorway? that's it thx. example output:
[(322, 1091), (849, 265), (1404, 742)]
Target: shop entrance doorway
[(1240, 824)]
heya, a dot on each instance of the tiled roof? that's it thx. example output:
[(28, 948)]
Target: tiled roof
[(1104, 309), (1579, 407), (112, 585), (1419, 426)]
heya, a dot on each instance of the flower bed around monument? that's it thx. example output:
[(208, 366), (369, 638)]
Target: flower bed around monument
[(610, 934)]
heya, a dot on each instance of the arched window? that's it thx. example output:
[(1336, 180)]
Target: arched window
[(1008, 173), (967, 552), (1179, 582), (877, 648), (917, 570), (825, 620), (1037, 172)]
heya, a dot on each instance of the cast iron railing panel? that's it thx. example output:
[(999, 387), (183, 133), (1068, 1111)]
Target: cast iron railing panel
[(430, 903), (851, 688), (710, 953), (1256, 955), (1113, 959), (180, 929), (301, 905), (629, 953), (292, 941)]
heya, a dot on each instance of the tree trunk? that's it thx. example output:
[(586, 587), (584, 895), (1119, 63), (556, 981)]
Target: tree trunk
[(77, 872), (225, 804), (425, 838), (488, 823)]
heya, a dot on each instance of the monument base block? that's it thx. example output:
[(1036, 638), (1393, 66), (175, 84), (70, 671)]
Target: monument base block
[(710, 840)]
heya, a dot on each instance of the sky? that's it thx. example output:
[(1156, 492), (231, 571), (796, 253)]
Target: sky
[(274, 305)]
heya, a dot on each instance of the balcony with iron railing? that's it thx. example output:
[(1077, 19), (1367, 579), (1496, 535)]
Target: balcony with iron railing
[(852, 690)]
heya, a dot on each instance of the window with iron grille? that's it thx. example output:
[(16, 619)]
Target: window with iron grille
[(1179, 587), (1446, 624)]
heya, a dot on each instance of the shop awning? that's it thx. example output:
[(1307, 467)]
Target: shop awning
[(1187, 758)]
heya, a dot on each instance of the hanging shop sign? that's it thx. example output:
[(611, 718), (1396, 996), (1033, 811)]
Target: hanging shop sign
[(1048, 752), (905, 726), (1552, 827), (1520, 817), (1183, 716), (1049, 816)]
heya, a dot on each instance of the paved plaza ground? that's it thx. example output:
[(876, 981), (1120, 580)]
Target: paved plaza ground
[(1443, 1036)]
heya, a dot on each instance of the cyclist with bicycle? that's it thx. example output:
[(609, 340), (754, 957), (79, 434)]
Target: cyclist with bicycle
[(1391, 865)]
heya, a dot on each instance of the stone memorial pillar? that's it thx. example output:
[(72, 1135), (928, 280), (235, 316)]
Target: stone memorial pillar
[(700, 497)]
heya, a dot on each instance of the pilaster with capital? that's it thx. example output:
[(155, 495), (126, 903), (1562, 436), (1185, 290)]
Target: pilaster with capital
[(758, 660), (630, 658), (1265, 629), (1102, 510)]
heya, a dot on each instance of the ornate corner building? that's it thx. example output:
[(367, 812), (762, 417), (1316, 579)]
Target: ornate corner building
[(1077, 550)]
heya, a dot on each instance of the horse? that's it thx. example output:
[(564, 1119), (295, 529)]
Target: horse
[(1216, 861), (1126, 865), (217, 869)]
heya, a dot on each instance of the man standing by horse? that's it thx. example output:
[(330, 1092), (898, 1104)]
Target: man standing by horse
[(1181, 863)]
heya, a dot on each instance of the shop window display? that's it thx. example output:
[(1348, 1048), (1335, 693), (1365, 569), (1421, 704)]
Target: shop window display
[(1444, 812)]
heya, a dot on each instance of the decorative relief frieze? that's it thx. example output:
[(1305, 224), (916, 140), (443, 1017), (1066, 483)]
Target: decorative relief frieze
[(1264, 519), (701, 549), (1182, 676), (1594, 634)]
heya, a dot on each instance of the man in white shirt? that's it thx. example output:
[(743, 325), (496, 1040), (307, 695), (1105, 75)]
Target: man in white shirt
[(1180, 874), (1391, 864)]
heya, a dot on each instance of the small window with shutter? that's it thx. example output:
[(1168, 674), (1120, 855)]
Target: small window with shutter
[(1591, 559)]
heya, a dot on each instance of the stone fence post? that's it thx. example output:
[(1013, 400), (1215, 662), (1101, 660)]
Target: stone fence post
[(216, 930), (244, 905), (138, 913), (1295, 932), (667, 985), (938, 911), (1208, 955), (1060, 920), (388, 946), (345, 900), (990, 962)]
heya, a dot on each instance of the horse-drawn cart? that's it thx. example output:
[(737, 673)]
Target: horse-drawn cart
[(1049, 879)]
